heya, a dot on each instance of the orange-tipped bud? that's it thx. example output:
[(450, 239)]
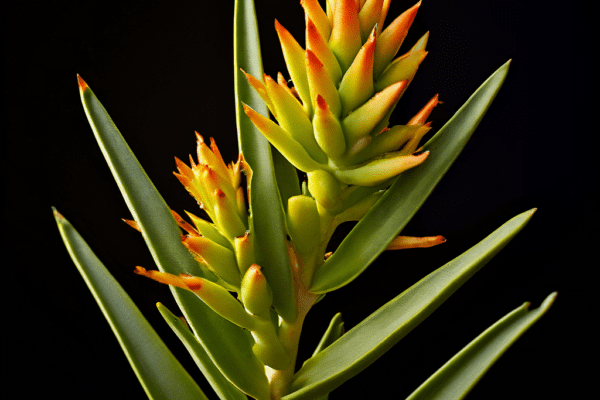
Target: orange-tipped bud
[(345, 39), (422, 115), (316, 43), (184, 224), (261, 90), (364, 119), (294, 120), (357, 84), (403, 68), (244, 252), (215, 296), (220, 260), (328, 130), (390, 140), (170, 279), (321, 84), (293, 54), (132, 224), (209, 231), (369, 16), (410, 242), (257, 296), (227, 217), (283, 141), (392, 37), (380, 170), (314, 12), (384, 10)]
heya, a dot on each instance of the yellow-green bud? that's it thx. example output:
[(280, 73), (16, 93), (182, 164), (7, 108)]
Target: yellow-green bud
[(256, 293), (325, 188), (304, 224)]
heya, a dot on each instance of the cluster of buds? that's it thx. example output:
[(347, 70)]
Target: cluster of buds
[(224, 250), (333, 123), (224, 246)]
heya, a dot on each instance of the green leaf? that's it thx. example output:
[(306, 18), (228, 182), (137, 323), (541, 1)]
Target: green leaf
[(458, 376), (224, 389), (229, 346), (287, 178), (333, 333), (362, 345), (159, 372), (268, 220), (394, 210)]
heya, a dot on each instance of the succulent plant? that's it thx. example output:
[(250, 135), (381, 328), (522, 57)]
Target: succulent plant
[(246, 272)]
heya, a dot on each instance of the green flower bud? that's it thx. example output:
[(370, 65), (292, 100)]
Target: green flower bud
[(304, 224), (324, 188), (256, 293)]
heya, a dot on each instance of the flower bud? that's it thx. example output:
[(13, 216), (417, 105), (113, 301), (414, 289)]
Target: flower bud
[(257, 296), (324, 188), (304, 224)]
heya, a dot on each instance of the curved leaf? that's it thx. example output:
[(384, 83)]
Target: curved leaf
[(268, 220), (229, 346), (154, 365), (362, 345), (401, 201), (458, 376), (333, 333), (224, 389)]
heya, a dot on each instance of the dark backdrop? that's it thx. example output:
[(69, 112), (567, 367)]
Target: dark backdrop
[(164, 69)]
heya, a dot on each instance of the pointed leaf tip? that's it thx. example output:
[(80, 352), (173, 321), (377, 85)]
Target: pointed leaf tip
[(56, 214), (81, 83)]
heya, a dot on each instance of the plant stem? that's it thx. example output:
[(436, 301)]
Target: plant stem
[(289, 335)]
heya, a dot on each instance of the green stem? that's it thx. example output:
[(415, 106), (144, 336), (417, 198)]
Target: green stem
[(289, 336)]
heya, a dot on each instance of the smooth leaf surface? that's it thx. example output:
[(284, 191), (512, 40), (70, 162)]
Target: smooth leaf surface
[(154, 365), (228, 345), (287, 178), (394, 210), (268, 220), (363, 344), (333, 333), (224, 389), (458, 376)]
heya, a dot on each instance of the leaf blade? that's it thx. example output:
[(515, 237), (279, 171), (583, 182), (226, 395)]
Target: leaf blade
[(363, 344), (458, 376), (222, 340), (268, 220), (154, 365), (402, 200), (224, 389)]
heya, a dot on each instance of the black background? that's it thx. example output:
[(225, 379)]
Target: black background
[(164, 69)]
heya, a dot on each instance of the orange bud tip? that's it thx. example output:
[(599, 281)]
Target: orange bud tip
[(140, 271), (329, 254), (82, 84), (199, 137), (56, 214), (132, 224)]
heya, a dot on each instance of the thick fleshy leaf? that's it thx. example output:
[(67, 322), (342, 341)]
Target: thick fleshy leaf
[(362, 345), (224, 389), (265, 202), (458, 376), (229, 346), (398, 205), (154, 365)]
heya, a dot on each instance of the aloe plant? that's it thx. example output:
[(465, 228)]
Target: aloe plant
[(246, 275)]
